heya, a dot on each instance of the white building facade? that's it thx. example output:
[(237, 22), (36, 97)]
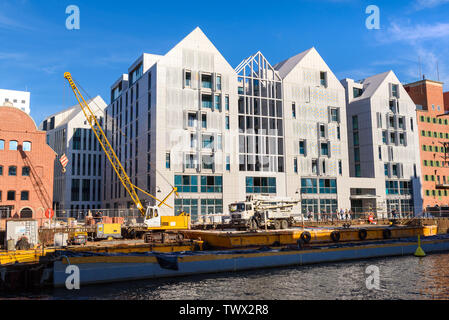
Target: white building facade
[(384, 160), (17, 99), (316, 145), (78, 189), (190, 120)]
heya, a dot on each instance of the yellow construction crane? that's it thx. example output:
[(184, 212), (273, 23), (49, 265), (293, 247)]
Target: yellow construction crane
[(152, 217)]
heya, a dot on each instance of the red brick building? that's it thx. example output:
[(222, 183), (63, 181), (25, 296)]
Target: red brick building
[(446, 101), (433, 134), (26, 167)]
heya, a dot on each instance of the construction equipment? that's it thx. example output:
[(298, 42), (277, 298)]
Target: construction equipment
[(151, 215), (108, 231), (259, 211), (77, 238)]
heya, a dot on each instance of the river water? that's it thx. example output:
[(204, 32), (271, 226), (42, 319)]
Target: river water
[(399, 278)]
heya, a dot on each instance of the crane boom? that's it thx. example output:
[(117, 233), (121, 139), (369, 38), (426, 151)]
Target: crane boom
[(108, 150)]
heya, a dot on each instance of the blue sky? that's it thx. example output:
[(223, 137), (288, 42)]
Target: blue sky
[(36, 48)]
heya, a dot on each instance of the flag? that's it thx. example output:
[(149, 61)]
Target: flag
[(64, 160)]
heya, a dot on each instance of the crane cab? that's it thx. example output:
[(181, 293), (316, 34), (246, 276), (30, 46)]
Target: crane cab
[(153, 217), (155, 220)]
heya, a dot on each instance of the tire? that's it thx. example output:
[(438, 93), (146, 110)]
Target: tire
[(277, 224), (335, 236), (284, 224), (386, 233), (363, 234), (206, 246), (306, 237)]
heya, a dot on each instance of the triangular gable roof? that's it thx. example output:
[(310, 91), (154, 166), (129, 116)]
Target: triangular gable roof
[(257, 62), (197, 33), (73, 111), (371, 84), (284, 67)]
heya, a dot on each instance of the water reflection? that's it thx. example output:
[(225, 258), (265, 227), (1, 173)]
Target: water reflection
[(400, 278)]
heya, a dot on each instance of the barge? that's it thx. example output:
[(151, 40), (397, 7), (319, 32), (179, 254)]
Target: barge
[(105, 268), (212, 252)]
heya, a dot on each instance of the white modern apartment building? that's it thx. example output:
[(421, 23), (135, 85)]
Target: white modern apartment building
[(79, 188), (170, 121), (190, 120), (316, 145), (384, 158), (17, 99)]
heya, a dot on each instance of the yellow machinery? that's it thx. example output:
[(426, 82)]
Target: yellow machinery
[(108, 231), (77, 238), (152, 218)]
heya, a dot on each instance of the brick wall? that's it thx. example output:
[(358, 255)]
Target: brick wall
[(429, 94), (16, 125)]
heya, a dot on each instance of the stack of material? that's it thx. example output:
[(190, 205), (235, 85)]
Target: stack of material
[(119, 220), (89, 221), (107, 219)]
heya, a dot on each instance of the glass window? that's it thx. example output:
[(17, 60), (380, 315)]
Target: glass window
[(167, 161), (211, 184), (356, 154), (322, 131), (204, 121), (207, 162), (328, 186), (11, 196), (206, 101), (186, 183), (401, 139), (309, 186), (323, 78), (324, 149), (12, 171), (26, 171), (24, 196), (192, 120), (356, 138), (13, 145), (206, 81), (394, 90), (395, 170), (1, 170), (355, 123), (2, 144), (334, 115), (391, 187), (77, 139), (357, 92), (218, 82), (302, 147), (227, 103), (217, 104), (211, 206), (357, 170), (208, 141), (188, 78), (260, 185), (136, 74)]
